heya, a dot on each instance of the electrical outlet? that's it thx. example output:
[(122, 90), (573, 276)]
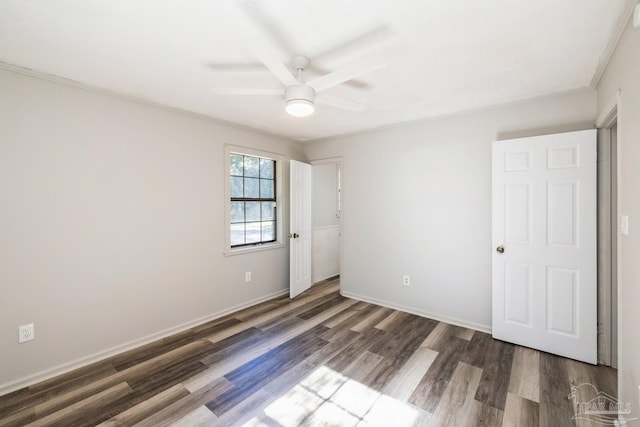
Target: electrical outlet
[(26, 333), (406, 280), (247, 276)]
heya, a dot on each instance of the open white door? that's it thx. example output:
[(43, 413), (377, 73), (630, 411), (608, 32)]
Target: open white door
[(544, 243), (300, 228)]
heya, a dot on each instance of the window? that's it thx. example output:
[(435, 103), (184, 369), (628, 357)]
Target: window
[(253, 204)]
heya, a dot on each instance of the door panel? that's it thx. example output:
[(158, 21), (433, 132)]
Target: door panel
[(544, 216), (517, 286)]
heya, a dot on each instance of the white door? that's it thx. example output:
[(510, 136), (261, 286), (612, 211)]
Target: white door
[(544, 243), (300, 228)]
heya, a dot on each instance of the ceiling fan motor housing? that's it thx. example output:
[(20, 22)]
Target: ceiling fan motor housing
[(299, 92)]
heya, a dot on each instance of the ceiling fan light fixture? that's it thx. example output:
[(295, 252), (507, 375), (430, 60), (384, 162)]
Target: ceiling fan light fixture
[(300, 100), (300, 107)]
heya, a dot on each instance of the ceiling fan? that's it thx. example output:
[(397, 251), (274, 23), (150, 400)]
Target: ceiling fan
[(300, 96)]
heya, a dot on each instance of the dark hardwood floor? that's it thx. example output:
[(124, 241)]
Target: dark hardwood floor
[(318, 360)]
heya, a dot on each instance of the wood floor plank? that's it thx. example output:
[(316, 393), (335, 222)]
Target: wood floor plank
[(317, 386), (342, 317), (476, 349), (51, 390), (455, 407), (488, 416), (392, 321), (437, 337), (251, 377), (362, 366), (494, 383), (404, 384), (520, 412), (273, 314), (432, 386), (555, 407), (344, 358), (182, 407), (74, 414), (164, 345), (582, 380), (381, 375), (296, 382), (375, 316), (400, 346), (320, 308), (349, 322), (464, 333), (318, 359), (147, 407), (145, 368), (387, 411), (525, 378), (201, 416), (219, 368)]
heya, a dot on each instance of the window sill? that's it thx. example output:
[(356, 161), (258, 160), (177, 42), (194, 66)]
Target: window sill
[(249, 249)]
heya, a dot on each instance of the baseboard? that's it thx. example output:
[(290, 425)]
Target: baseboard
[(101, 355), (412, 310)]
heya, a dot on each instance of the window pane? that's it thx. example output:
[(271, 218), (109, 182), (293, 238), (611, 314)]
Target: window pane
[(253, 211), (266, 168), (266, 188), (268, 231), (268, 211), (252, 221), (236, 164), (251, 187), (237, 212), (237, 234), (251, 166), (236, 187), (253, 232)]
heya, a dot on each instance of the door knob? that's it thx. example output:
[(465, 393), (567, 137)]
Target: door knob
[(294, 235), (500, 249)]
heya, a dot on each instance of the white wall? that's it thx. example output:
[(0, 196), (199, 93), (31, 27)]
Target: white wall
[(417, 201), (112, 224), (325, 195), (622, 74)]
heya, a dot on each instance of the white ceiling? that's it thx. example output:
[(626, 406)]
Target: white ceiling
[(443, 56)]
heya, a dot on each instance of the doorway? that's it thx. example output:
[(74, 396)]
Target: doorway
[(326, 218), (608, 250)]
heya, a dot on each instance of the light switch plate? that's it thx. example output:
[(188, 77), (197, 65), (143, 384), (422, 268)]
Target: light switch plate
[(624, 224)]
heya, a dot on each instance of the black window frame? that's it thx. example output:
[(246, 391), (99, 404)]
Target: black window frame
[(255, 199)]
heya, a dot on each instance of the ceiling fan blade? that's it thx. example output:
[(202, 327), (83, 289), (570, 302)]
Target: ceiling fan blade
[(334, 101), (268, 57), (349, 72), (245, 91)]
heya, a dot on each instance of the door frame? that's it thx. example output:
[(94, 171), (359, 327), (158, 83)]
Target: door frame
[(609, 118), (340, 162)]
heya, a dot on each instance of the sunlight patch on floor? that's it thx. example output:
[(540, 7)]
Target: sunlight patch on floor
[(326, 397)]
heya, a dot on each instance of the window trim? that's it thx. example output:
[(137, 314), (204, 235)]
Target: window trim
[(280, 206)]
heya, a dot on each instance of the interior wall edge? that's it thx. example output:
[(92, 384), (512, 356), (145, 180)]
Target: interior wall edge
[(46, 374)]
